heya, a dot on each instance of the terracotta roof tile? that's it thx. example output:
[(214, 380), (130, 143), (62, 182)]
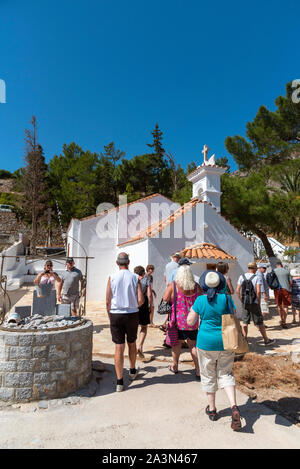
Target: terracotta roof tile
[(156, 228), (125, 205), (117, 208), (206, 251)]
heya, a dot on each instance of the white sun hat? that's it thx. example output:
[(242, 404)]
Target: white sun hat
[(212, 279)]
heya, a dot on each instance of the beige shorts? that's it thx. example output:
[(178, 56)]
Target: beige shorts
[(72, 300), (215, 369)]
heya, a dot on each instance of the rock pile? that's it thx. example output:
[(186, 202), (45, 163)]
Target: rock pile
[(43, 323)]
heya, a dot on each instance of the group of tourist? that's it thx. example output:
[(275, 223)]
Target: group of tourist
[(197, 305), (191, 301)]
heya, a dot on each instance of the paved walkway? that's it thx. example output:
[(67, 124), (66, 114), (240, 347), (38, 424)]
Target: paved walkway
[(158, 410)]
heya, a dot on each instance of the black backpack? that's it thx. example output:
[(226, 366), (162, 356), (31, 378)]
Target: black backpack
[(248, 292), (272, 280)]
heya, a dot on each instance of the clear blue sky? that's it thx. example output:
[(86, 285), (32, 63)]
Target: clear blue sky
[(97, 71)]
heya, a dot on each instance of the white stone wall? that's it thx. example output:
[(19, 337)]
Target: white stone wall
[(138, 254), (221, 233), (10, 263)]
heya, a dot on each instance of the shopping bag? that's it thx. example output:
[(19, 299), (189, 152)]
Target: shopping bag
[(233, 339)]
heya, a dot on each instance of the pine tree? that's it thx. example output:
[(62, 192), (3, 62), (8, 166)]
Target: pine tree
[(157, 142), (161, 170), (34, 181)]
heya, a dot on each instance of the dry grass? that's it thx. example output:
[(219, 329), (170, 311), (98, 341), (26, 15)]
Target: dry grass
[(268, 373)]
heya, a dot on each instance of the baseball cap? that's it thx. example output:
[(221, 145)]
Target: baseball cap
[(184, 261), (176, 254), (262, 264), (252, 265)]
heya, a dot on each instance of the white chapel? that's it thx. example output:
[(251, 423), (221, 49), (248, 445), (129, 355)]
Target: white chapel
[(151, 229)]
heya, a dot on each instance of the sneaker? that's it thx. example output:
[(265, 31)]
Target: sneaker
[(120, 388), (270, 342), (132, 376), (284, 326)]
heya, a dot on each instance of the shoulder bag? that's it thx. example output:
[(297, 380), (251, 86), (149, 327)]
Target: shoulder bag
[(164, 307), (172, 331)]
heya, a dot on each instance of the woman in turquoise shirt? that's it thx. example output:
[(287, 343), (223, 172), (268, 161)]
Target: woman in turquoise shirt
[(215, 363)]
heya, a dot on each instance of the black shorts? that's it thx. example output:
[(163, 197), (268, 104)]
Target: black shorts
[(252, 312), (144, 313), (183, 335), (124, 325)]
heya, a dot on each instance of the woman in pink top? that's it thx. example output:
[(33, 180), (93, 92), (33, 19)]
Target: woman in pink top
[(187, 292), (47, 276)]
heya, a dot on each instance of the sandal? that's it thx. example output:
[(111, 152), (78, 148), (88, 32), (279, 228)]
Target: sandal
[(236, 419), (172, 370), (140, 354), (212, 414)]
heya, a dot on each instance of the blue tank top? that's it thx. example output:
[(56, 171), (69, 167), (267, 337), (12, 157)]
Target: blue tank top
[(210, 331)]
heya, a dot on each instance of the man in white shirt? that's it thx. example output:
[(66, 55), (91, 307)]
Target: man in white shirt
[(123, 298), (171, 266), (251, 302), (264, 300)]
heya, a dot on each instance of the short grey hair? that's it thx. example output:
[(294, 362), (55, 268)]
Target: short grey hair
[(123, 259)]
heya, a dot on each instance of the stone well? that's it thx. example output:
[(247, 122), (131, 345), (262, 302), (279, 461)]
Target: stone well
[(44, 364)]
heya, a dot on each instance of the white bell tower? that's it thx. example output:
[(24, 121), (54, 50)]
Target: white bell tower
[(206, 180)]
